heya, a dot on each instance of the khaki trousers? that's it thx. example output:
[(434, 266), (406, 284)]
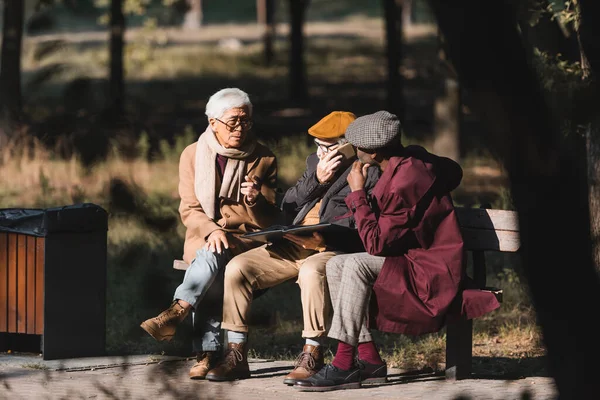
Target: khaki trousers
[(268, 266)]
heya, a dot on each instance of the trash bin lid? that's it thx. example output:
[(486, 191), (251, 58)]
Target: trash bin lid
[(85, 217)]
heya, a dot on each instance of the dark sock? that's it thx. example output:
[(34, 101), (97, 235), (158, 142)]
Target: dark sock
[(344, 356), (368, 352)]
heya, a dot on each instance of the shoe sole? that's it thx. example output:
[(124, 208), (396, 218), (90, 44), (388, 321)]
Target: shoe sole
[(371, 381), (353, 385), (198, 378), (227, 379), (154, 334)]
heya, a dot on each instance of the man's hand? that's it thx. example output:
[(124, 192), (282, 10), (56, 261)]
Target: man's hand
[(313, 242), (217, 241), (357, 176), (250, 189), (328, 165)]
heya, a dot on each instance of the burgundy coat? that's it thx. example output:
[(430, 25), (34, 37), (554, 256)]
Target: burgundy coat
[(411, 221)]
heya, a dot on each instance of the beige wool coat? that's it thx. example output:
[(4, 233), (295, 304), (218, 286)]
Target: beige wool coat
[(237, 218)]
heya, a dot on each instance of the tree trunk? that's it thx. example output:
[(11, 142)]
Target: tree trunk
[(10, 66), (447, 120), (265, 15), (447, 109), (588, 31), (407, 13), (298, 84), (192, 19), (117, 33), (393, 35), (545, 171), (592, 136), (589, 11)]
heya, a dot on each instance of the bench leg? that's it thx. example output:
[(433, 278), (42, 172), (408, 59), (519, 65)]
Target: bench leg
[(459, 349)]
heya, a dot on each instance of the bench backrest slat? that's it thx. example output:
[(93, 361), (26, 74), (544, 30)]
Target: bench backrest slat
[(489, 230), (488, 240)]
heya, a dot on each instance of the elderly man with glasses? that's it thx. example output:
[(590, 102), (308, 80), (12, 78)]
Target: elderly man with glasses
[(317, 197), (227, 183)]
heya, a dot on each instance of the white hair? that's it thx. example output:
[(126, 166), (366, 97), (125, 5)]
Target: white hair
[(342, 141), (226, 99)]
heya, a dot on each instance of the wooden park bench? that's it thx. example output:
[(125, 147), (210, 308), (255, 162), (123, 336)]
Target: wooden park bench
[(483, 230)]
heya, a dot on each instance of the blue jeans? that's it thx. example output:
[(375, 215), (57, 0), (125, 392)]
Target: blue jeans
[(202, 287)]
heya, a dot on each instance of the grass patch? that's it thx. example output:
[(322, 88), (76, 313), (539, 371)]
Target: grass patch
[(38, 366)]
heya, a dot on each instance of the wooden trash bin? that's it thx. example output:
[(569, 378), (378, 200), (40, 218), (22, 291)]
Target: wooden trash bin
[(53, 280)]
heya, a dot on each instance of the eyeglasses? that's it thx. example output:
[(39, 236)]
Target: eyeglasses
[(326, 148), (244, 123)]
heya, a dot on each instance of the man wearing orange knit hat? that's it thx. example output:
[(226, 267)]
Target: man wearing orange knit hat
[(317, 197)]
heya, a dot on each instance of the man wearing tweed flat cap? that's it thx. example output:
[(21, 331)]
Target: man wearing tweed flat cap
[(375, 131), (317, 197), (413, 268)]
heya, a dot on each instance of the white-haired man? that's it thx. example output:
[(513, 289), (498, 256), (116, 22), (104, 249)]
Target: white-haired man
[(227, 184)]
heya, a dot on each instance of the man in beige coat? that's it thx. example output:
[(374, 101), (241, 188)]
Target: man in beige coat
[(227, 183)]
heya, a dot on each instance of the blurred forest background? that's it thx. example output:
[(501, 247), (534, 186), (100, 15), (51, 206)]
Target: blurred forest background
[(98, 99)]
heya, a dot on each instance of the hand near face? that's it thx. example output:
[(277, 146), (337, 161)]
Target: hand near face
[(250, 189), (328, 166), (357, 176), (313, 242)]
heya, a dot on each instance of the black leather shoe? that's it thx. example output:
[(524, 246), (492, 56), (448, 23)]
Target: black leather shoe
[(330, 378), (372, 373)]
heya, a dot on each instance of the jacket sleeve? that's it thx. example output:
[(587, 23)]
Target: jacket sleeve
[(190, 210), (265, 211), (395, 219), (305, 190)]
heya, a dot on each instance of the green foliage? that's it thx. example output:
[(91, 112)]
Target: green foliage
[(504, 200), (509, 276), (45, 186), (556, 72), (143, 146), (172, 152)]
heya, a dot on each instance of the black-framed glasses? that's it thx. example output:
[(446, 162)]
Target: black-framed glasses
[(325, 148), (244, 123)]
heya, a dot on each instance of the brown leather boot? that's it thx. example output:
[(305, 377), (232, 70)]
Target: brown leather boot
[(164, 325), (308, 363), (234, 364), (204, 362)]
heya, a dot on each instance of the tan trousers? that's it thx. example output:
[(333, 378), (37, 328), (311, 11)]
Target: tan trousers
[(268, 266)]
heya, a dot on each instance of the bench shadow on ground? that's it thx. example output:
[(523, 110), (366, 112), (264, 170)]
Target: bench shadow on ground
[(489, 368), (271, 372)]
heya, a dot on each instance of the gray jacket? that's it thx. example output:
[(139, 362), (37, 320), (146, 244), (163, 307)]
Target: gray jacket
[(302, 197)]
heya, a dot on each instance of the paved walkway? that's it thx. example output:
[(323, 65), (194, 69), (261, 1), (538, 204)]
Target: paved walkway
[(159, 377)]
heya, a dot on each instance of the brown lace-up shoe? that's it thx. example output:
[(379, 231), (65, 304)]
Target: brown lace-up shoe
[(308, 363), (204, 362), (234, 364), (164, 325)]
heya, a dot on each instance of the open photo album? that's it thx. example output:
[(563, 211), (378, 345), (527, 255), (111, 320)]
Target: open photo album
[(276, 232)]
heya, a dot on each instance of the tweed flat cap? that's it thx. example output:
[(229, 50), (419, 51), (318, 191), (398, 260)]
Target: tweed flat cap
[(374, 131), (332, 126)]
